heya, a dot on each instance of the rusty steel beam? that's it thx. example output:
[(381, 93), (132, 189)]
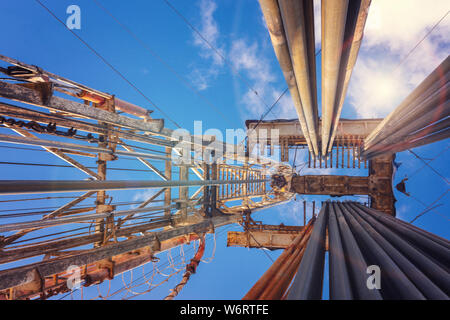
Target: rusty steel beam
[(331, 185), (46, 118), (93, 273), (39, 75), (22, 275), (378, 185), (19, 93), (261, 239), (291, 129)]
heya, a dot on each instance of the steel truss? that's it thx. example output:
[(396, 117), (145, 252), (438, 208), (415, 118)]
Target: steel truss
[(77, 123)]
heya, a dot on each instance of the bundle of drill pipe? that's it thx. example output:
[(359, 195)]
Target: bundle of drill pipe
[(412, 264), (276, 280), (422, 118)]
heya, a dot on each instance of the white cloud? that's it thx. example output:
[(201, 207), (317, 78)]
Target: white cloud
[(201, 77), (145, 195), (249, 60), (393, 28), (209, 30)]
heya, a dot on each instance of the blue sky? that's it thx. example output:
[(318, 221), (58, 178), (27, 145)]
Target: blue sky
[(237, 30)]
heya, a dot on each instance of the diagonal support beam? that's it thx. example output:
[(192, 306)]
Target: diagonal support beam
[(51, 215), (58, 153), (145, 162)]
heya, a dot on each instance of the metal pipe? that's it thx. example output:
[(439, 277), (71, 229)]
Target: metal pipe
[(130, 108), (438, 78), (394, 283), (431, 129), (417, 277), (340, 287), (334, 15), (275, 26), (435, 273), (435, 238), (433, 78), (430, 247), (413, 143), (298, 22), (259, 287), (357, 264), (50, 186), (434, 95), (308, 282), (280, 282), (354, 30), (432, 108), (119, 104)]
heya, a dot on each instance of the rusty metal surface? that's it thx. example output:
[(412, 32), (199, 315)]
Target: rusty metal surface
[(261, 239), (378, 185)]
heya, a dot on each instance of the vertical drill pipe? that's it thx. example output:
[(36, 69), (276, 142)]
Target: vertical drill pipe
[(340, 287), (430, 247), (436, 78), (417, 277), (435, 273), (304, 212), (334, 16), (354, 30), (309, 279), (435, 238), (356, 262), (432, 79), (298, 22), (434, 107), (275, 26), (394, 283), (413, 143)]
